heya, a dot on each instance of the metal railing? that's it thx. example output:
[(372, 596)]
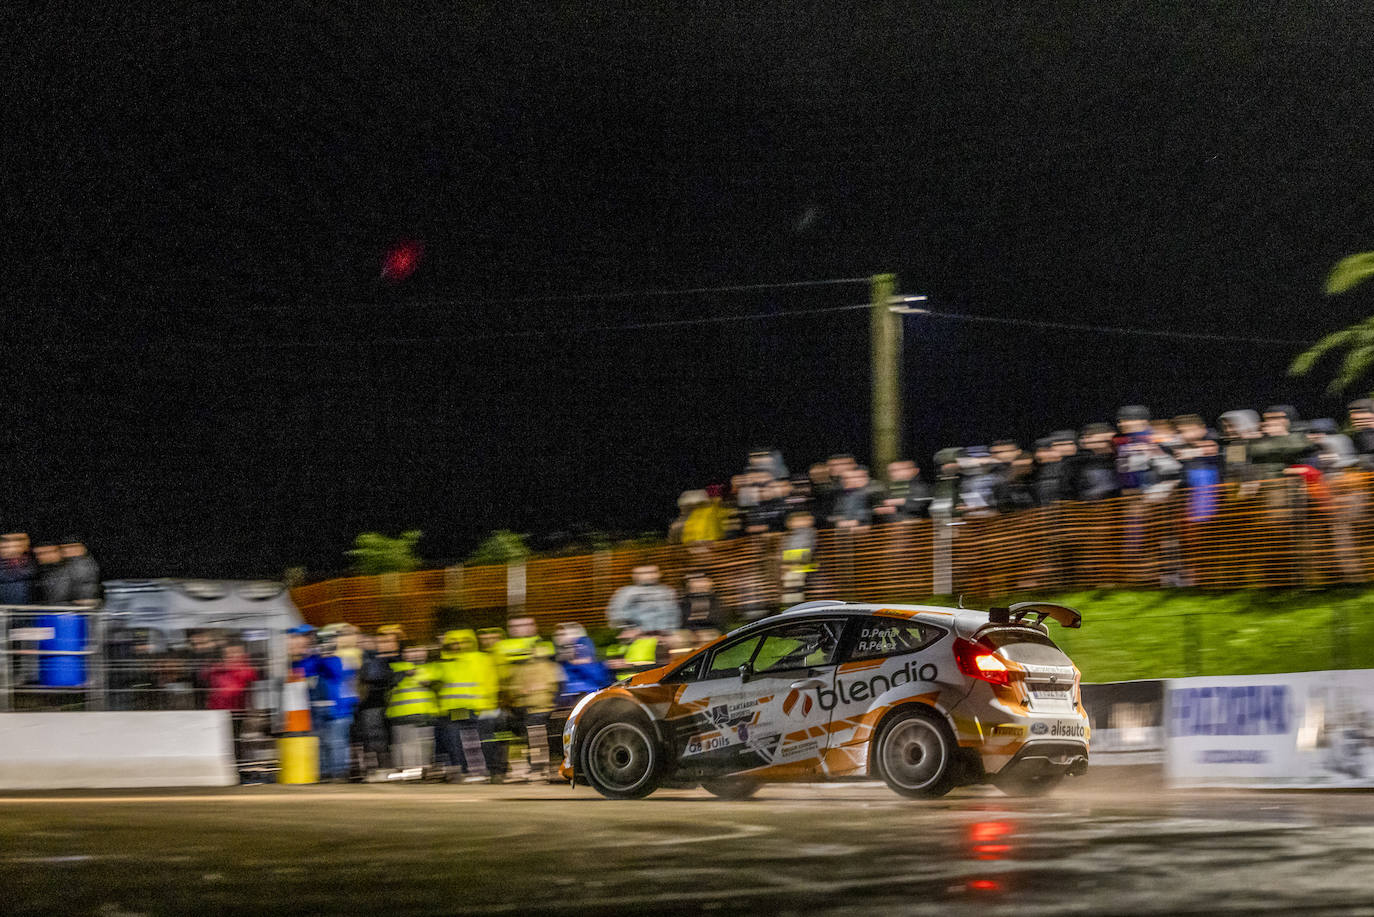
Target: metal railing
[(1275, 533)]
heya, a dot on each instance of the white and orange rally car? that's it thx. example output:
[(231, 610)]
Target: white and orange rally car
[(924, 698)]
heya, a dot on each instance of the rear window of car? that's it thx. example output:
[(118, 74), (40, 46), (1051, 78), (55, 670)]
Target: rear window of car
[(875, 638), (1021, 644)]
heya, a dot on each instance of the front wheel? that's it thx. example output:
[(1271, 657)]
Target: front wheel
[(731, 787), (914, 755), (621, 760)]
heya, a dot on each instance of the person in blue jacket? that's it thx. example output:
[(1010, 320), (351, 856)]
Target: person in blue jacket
[(584, 672), (333, 700)]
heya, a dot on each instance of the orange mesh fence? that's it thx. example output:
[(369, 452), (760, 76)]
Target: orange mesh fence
[(1283, 532)]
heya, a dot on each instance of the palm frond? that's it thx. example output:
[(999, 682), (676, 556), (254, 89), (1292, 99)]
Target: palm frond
[(1357, 361), (1349, 272), (1303, 362)]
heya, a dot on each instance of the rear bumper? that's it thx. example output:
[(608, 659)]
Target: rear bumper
[(1044, 758)]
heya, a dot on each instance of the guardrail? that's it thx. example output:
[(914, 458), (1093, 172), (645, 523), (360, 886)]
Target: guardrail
[(1273, 533)]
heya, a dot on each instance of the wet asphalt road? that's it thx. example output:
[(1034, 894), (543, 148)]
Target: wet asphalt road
[(1111, 844)]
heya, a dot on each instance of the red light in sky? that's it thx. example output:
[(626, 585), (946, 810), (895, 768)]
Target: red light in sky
[(402, 260)]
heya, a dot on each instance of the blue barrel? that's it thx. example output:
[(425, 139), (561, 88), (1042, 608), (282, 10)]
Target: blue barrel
[(68, 636)]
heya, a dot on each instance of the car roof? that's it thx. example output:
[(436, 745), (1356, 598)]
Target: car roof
[(966, 619)]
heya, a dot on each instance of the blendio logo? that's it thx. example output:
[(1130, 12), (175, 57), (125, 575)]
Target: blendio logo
[(849, 692)]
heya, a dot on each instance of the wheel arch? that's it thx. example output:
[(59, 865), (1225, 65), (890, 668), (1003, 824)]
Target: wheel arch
[(899, 709), (606, 708)]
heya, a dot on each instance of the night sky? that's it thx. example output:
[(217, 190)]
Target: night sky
[(206, 373)]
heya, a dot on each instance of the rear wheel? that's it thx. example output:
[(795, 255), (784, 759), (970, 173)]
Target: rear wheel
[(1040, 785), (621, 758), (731, 787), (914, 754)]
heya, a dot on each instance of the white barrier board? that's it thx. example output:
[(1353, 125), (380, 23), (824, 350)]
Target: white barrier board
[(1304, 729), (48, 751)]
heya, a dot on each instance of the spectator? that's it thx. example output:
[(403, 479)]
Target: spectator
[(1096, 477), (1239, 431), (583, 673), (411, 708), (532, 683), (1279, 448), (1049, 483), (798, 557), (83, 573), (854, 506), (17, 570), (333, 697), (944, 503), (1014, 472), (906, 497), (52, 581), (230, 679), (823, 493), (977, 482), (1135, 449), (646, 605), (1200, 456), (701, 608), (705, 516), (375, 680), (1361, 413), (469, 707)]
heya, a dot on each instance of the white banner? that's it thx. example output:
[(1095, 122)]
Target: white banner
[(1304, 729)]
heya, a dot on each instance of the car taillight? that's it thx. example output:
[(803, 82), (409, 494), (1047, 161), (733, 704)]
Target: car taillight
[(978, 661)]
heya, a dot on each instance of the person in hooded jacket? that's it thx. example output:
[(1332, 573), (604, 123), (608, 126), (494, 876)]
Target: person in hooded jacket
[(583, 672), (469, 691)]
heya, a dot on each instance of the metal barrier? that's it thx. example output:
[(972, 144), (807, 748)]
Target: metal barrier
[(1280, 532)]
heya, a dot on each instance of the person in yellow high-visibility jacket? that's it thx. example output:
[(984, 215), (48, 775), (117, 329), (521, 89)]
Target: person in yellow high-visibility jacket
[(468, 692), (411, 709)]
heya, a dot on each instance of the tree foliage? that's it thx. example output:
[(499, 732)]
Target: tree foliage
[(1357, 341), (375, 553), (501, 547)]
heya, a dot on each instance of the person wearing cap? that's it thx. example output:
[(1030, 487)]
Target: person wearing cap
[(468, 703), (333, 671), (1049, 483)]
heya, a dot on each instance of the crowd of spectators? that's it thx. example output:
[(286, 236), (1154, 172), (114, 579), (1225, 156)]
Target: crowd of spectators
[(1139, 454), (387, 707), (60, 573)]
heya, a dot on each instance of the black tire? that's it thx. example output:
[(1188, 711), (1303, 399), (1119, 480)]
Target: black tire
[(621, 757), (731, 787), (1042, 785), (915, 755)]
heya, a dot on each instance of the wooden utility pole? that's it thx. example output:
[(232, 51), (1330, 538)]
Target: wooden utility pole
[(885, 360)]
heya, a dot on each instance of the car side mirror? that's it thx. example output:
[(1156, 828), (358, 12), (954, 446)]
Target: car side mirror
[(744, 673)]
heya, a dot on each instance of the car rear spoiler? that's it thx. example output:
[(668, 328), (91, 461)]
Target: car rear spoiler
[(1021, 612)]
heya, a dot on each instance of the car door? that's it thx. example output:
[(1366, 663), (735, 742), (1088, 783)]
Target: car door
[(759, 701)]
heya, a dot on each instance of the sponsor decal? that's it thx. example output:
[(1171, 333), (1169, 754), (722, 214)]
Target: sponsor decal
[(700, 745), (1225, 710), (1040, 729), (1233, 756), (855, 690), (797, 700), (1059, 729), (807, 749), (1009, 729)]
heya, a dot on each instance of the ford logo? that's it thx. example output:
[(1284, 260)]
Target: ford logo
[(1039, 729)]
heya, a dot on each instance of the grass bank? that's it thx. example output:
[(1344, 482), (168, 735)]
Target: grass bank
[(1173, 633)]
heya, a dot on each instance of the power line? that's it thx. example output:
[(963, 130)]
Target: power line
[(1107, 329), (608, 296), (523, 333)]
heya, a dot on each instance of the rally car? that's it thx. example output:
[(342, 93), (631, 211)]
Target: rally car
[(924, 698)]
